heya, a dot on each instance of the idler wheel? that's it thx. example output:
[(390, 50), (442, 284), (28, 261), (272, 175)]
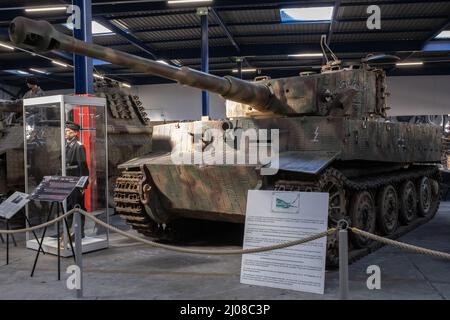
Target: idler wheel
[(408, 202), (363, 216), (428, 194), (387, 210)]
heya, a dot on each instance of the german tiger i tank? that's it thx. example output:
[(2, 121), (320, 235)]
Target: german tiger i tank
[(334, 137)]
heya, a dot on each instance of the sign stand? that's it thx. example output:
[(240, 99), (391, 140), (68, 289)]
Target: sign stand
[(8, 209), (59, 206), (55, 189), (12, 237)]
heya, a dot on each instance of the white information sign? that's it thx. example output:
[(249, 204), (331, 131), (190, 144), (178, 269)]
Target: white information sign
[(13, 204), (276, 217)]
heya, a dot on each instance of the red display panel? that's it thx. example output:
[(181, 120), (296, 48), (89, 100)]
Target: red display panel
[(84, 116)]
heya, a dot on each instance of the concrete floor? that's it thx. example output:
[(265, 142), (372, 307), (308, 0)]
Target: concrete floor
[(131, 271)]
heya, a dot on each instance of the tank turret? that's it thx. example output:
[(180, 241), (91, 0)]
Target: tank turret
[(356, 92)]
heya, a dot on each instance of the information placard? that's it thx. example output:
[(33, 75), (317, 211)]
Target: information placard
[(54, 188), (276, 217), (13, 204)]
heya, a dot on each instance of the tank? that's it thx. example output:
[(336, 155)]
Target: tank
[(129, 135), (11, 147), (332, 133)]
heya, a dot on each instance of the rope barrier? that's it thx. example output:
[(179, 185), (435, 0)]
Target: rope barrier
[(49, 223), (330, 231), (211, 252), (402, 245), (174, 248)]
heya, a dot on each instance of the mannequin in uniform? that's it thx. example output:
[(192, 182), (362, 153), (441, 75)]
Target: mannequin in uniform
[(35, 91), (76, 166)]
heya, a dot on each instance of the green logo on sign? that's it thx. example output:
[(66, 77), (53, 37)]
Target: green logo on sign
[(286, 205)]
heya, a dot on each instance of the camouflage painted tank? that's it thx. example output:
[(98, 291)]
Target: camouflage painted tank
[(333, 137)]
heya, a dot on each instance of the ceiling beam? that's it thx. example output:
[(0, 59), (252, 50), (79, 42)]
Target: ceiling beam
[(262, 35), (120, 8), (391, 2), (277, 23), (31, 62), (333, 21), (225, 29), (286, 49), (437, 46), (2, 88), (127, 35)]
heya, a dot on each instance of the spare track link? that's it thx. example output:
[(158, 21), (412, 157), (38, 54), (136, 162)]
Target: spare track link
[(127, 198), (128, 203)]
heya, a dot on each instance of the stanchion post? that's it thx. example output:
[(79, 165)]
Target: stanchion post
[(78, 251), (343, 262)]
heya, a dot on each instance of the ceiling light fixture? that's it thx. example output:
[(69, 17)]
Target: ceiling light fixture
[(43, 9), (245, 70), (306, 55), (38, 71), (405, 64), (59, 63), (6, 46), (186, 1)]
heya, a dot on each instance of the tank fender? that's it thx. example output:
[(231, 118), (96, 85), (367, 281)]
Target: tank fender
[(310, 162)]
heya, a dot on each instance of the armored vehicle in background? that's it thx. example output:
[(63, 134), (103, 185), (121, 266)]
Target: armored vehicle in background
[(11, 147), (129, 135), (333, 137)]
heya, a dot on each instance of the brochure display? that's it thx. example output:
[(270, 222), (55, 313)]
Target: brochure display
[(51, 175)]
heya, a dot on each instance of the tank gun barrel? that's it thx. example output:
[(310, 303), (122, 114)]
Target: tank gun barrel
[(42, 36)]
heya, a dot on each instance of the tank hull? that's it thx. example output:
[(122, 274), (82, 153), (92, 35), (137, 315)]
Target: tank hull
[(357, 149), (219, 191)]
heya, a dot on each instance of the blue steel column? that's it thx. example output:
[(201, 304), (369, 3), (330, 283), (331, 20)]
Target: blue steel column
[(205, 62), (83, 68)]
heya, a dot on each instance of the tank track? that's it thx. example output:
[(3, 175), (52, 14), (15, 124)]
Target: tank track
[(368, 183), (128, 200), (128, 205)]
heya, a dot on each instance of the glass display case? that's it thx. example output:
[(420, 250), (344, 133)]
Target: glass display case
[(47, 152)]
